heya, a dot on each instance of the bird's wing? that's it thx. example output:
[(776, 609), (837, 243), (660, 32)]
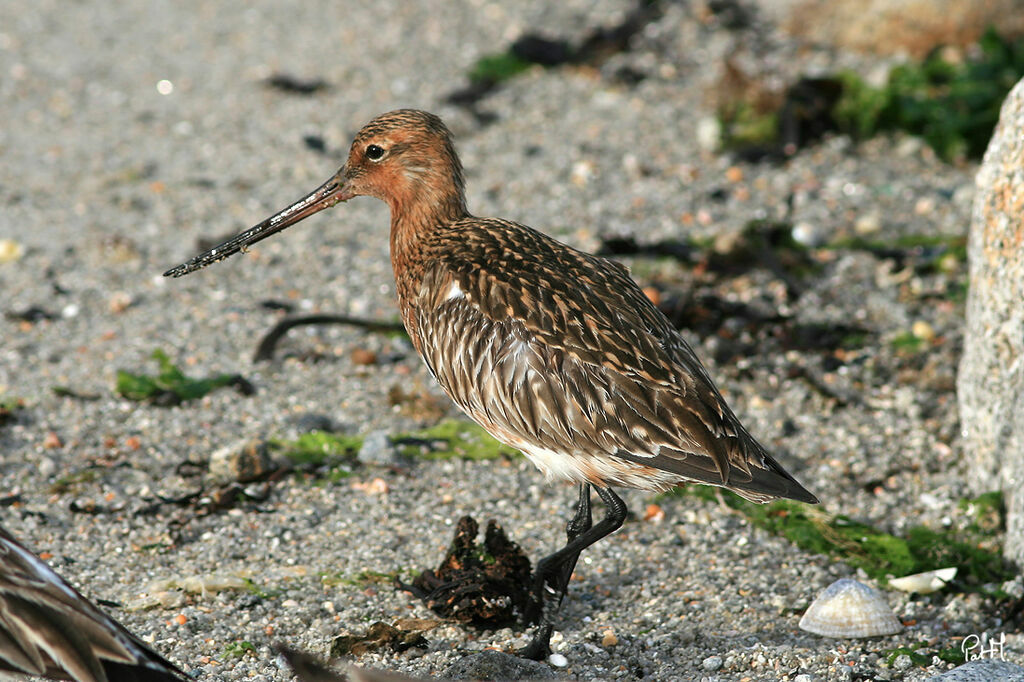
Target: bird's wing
[(540, 341), (47, 628)]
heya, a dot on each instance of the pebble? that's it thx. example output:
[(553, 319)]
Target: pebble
[(363, 356), (1014, 588), (558, 660), (377, 486), (922, 330), (712, 663), (869, 223), (609, 639), (808, 234), (924, 206), (10, 250), (582, 172), (709, 133), (377, 449), (242, 462), (119, 302), (903, 662)]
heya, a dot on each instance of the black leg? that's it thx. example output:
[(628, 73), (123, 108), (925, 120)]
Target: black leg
[(553, 571), (580, 523)]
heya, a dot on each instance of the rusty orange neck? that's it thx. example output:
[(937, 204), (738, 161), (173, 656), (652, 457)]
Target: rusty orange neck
[(413, 221)]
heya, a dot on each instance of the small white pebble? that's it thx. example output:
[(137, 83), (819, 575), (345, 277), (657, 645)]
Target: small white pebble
[(709, 133), (922, 330), (582, 172), (869, 223), (903, 662), (558, 660), (10, 250), (808, 235)]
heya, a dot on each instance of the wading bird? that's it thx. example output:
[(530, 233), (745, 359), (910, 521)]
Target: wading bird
[(47, 628), (553, 351)]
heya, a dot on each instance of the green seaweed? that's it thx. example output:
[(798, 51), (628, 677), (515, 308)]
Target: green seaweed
[(743, 124), (881, 555), (9, 408), (319, 447), (360, 579), (955, 244), (989, 511), (12, 404), (170, 385), (908, 343), (913, 651), (498, 67), (452, 438), (953, 106), (69, 481), (922, 653), (238, 649), (854, 340), (259, 591)]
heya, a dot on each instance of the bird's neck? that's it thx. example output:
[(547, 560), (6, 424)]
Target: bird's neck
[(412, 224)]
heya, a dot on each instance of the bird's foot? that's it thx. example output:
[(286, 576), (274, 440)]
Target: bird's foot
[(539, 647)]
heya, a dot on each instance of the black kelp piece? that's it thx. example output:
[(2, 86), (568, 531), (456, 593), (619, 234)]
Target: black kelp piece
[(268, 344), (294, 85), (486, 586), (403, 635)]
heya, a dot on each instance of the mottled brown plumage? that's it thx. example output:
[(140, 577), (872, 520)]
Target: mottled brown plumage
[(48, 629), (553, 351)]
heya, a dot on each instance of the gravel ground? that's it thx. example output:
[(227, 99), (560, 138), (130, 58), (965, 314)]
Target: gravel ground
[(106, 182)]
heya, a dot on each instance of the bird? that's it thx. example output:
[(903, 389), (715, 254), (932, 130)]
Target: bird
[(47, 628), (553, 351)]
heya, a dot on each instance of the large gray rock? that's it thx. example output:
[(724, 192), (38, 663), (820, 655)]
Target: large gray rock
[(991, 378), (497, 665), (983, 670)]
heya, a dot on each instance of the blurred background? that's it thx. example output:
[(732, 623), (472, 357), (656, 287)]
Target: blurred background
[(791, 181)]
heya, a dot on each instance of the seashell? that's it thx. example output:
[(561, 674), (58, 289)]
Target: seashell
[(847, 608), (924, 583)]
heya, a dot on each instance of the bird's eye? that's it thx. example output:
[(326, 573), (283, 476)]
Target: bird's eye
[(374, 152)]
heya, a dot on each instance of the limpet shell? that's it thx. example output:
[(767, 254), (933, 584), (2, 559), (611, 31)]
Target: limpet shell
[(924, 583), (850, 609)]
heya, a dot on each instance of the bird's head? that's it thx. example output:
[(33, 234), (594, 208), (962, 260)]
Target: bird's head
[(405, 158)]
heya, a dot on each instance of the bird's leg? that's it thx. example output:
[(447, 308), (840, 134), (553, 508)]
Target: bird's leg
[(553, 571), (580, 523), (552, 580)]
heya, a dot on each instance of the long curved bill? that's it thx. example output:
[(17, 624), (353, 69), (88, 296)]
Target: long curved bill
[(326, 195)]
